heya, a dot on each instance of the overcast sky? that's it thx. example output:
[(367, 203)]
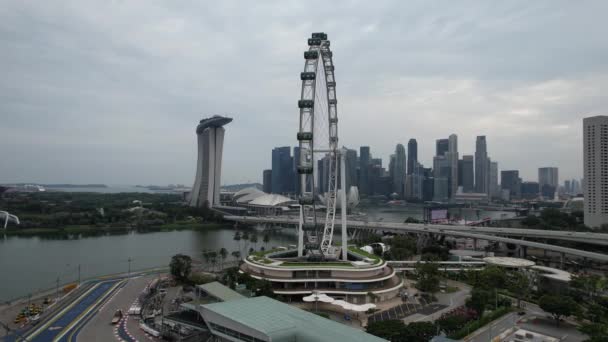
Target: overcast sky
[(111, 91)]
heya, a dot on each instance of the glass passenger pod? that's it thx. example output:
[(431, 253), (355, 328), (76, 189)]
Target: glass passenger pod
[(333, 120), (314, 42), (320, 35), (311, 55), (333, 101), (306, 103), (308, 226), (305, 169), (330, 68), (306, 200), (304, 136), (331, 84), (307, 76)]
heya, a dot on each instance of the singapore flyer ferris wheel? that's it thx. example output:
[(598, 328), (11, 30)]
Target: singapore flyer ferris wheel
[(318, 139)]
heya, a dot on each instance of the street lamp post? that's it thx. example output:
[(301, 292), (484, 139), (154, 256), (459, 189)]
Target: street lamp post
[(57, 290)]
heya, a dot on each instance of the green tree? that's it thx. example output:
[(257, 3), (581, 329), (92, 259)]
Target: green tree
[(180, 266), (491, 277), (418, 332), (389, 329), (428, 276), (402, 247), (597, 332), (519, 285), (452, 323), (558, 306), (531, 221), (410, 219), (480, 297)]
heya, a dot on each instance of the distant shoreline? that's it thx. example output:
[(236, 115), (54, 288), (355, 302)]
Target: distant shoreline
[(91, 230)]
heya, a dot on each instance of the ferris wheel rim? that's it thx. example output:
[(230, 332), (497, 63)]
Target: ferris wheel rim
[(318, 54)]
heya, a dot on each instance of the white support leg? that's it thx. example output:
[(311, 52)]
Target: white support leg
[(344, 205), (301, 234)]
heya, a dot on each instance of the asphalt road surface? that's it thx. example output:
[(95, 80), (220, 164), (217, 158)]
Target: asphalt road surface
[(66, 323), (99, 328)]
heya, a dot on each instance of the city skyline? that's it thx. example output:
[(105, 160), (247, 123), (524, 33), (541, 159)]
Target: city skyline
[(126, 119)]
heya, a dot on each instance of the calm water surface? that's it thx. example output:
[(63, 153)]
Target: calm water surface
[(32, 264)]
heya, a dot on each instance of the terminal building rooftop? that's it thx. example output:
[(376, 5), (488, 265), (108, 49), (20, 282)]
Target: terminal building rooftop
[(264, 319)]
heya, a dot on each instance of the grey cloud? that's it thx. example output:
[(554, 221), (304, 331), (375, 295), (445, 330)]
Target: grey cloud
[(111, 91)]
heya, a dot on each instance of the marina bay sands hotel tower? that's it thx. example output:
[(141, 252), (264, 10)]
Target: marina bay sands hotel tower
[(206, 186)]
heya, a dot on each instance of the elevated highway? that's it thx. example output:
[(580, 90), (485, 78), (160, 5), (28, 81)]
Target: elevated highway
[(585, 237), (506, 235)]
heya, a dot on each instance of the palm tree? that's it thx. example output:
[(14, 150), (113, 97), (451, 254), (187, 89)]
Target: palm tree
[(254, 240), (207, 256), (246, 238), (237, 237), (266, 238), (223, 255), (213, 257), (236, 255)]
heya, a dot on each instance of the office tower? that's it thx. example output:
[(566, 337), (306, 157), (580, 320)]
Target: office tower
[(399, 169), (441, 173), (267, 180), (391, 165), (595, 166), (567, 187), (529, 190), (548, 181), (323, 174), (210, 136), (414, 183), (576, 187), (364, 161), (351, 168), (467, 173), (428, 184), (481, 165), (452, 156), (493, 179), (282, 170), (442, 146), (412, 155), (510, 181)]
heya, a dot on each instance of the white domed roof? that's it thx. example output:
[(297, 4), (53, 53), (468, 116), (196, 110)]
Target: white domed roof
[(248, 194), (271, 200)]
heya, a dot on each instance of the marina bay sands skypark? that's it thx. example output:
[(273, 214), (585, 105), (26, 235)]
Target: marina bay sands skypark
[(206, 188)]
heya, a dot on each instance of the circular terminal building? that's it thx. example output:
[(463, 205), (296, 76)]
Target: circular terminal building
[(363, 278)]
